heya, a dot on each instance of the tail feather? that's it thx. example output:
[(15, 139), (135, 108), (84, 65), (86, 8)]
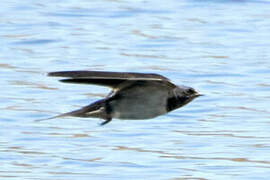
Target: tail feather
[(72, 113), (92, 110)]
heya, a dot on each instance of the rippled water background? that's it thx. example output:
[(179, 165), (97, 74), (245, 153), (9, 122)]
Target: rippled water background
[(219, 47)]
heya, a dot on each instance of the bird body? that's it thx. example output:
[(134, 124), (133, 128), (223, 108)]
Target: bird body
[(134, 100), (133, 95)]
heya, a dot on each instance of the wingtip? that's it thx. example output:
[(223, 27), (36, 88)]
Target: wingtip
[(72, 74), (53, 74)]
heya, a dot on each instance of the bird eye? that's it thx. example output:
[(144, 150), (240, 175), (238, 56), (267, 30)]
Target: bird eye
[(191, 91)]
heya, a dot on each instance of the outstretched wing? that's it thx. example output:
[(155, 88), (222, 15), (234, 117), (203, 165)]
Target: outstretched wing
[(103, 78)]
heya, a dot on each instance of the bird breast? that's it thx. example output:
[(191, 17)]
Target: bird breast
[(140, 102)]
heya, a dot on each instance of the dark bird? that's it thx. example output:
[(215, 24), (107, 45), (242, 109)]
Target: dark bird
[(133, 95)]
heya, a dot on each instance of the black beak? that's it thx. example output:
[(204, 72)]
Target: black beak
[(197, 95)]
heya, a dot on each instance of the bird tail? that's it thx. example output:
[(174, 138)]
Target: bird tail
[(92, 110), (72, 113)]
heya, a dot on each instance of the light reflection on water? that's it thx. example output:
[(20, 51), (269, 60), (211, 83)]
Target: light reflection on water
[(218, 47)]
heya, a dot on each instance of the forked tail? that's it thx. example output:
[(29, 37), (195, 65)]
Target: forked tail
[(93, 110)]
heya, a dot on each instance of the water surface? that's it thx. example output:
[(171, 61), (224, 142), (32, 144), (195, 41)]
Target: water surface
[(221, 48)]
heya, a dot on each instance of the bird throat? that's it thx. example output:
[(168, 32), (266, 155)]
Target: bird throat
[(176, 102)]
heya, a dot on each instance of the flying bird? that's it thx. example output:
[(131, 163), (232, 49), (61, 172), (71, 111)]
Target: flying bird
[(133, 96)]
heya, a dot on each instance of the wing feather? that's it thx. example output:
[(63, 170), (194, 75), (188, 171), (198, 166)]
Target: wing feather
[(103, 78), (110, 75), (102, 82)]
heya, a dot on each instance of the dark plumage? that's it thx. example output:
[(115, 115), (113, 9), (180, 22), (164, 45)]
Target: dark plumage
[(133, 95)]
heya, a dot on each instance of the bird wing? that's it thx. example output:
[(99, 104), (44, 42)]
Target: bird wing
[(103, 78)]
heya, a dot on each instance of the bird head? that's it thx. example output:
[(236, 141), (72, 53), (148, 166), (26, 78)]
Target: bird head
[(181, 96)]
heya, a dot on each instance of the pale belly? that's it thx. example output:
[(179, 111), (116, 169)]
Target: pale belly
[(140, 103)]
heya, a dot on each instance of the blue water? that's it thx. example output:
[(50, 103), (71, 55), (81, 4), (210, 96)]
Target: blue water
[(221, 48)]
